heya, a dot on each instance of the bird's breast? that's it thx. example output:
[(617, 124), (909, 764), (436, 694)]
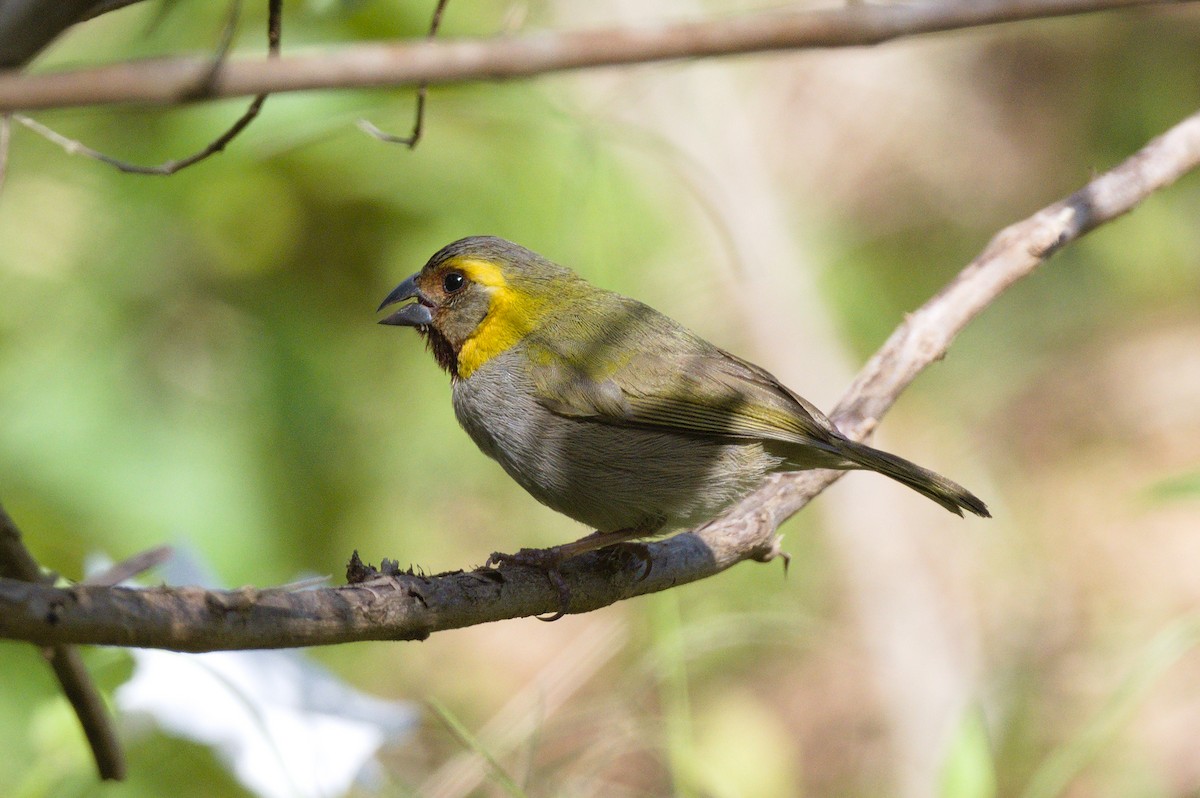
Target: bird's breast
[(605, 475)]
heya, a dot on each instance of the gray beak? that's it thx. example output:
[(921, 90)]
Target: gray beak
[(415, 314)]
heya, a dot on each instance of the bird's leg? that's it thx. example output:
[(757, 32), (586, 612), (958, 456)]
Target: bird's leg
[(549, 560), (600, 540), (621, 540)]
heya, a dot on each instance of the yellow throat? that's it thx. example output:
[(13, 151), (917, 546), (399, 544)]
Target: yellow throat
[(511, 315)]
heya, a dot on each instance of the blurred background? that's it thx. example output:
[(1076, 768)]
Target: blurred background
[(194, 360)]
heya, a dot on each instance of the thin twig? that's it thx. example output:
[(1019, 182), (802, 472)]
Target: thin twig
[(89, 707), (412, 606), (201, 89), (412, 138), (5, 138), (16, 562), (173, 80), (224, 45), (130, 567)]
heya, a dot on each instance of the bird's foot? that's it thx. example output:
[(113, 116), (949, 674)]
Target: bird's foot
[(635, 549), (545, 560), (548, 561)]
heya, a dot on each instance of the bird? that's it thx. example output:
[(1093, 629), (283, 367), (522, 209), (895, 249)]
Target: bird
[(607, 410)]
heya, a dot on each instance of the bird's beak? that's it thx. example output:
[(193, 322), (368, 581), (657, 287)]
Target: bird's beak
[(415, 314)]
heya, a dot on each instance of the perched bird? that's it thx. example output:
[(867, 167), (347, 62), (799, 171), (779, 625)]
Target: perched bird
[(610, 412)]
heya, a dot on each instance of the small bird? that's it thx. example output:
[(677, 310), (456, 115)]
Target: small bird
[(610, 412)]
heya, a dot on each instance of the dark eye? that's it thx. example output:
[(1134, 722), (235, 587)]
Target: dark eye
[(453, 281)]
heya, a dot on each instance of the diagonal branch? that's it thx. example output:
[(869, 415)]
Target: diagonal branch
[(410, 607), (26, 26), (174, 80), (16, 563)]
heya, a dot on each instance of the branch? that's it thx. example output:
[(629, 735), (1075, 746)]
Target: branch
[(16, 563), (167, 168), (5, 137), (26, 26), (418, 127), (411, 606), (183, 79)]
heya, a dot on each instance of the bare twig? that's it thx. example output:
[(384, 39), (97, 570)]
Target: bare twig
[(16, 563), (412, 138), (174, 80), (409, 606), (5, 139), (128, 568), (89, 707), (73, 147), (15, 560)]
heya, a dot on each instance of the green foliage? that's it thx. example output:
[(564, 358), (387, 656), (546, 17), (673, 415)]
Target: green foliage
[(1181, 487), (1099, 733), (969, 770), (496, 772)]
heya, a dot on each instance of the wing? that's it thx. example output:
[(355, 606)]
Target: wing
[(644, 369)]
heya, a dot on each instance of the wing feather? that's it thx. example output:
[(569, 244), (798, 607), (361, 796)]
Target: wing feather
[(680, 383)]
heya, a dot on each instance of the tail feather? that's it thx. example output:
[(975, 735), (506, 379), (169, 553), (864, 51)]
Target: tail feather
[(949, 494)]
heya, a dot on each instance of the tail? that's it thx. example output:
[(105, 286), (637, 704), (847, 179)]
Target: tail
[(951, 495)]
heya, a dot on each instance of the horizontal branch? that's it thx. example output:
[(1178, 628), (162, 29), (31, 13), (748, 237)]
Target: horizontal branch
[(409, 607), (404, 607), (185, 79)]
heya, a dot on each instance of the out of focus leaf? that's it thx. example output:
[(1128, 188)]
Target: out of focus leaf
[(1054, 776), (969, 770), (1176, 488)]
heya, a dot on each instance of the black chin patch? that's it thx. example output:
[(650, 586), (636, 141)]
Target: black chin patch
[(443, 351)]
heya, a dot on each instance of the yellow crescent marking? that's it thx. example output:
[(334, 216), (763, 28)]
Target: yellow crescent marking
[(511, 315)]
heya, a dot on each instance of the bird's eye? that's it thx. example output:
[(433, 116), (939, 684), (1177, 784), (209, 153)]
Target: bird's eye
[(453, 281)]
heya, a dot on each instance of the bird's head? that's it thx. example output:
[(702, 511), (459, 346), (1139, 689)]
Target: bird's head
[(477, 298)]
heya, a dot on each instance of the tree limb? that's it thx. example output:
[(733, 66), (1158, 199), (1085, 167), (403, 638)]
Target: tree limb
[(411, 606), (184, 79), (26, 26), (16, 563)]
